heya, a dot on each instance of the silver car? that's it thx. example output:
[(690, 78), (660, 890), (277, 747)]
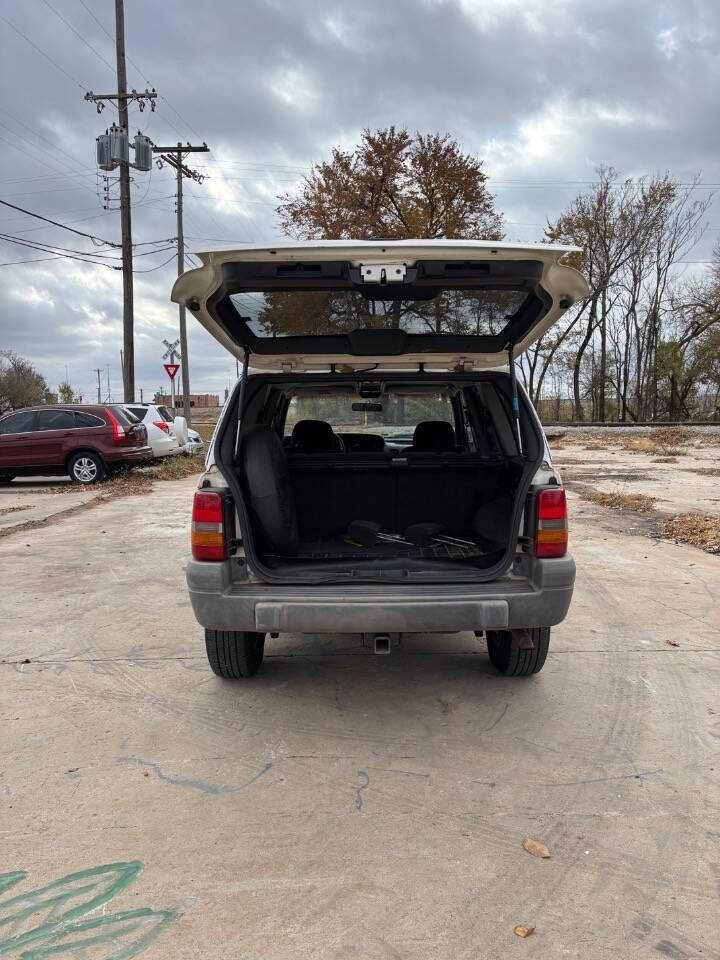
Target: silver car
[(377, 469)]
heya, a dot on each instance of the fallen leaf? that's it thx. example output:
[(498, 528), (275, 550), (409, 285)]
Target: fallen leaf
[(523, 932), (671, 643), (73, 769), (535, 848)]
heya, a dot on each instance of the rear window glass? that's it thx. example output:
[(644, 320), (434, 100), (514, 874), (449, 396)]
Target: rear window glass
[(17, 422), (165, 414), (396, 419), (88, 420), (55, 420), (123, 415), (326, 312), (138, 412)]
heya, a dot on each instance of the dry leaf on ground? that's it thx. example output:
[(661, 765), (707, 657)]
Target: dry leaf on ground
[(672, 643), (535, 848), (521, 931)]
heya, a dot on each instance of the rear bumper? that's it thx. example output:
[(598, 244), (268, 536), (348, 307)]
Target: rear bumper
[(131, 455), (164, 446), (221, 603)]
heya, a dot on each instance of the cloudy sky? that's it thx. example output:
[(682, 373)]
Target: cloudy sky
[(542, 90)]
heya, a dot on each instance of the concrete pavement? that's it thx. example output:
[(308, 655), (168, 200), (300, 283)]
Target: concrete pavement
[(344, 806)]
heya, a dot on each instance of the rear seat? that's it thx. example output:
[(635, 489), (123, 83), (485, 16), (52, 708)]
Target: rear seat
[(298, 497)]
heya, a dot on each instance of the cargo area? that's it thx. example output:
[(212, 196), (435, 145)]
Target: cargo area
[(397, 478)]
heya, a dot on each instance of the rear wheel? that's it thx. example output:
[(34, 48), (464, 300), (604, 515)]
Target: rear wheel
[(6, 477), (508, 658), (234, 654), (86, 468)]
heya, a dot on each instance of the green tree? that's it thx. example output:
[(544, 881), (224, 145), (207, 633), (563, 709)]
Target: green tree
[(65, 392), (21, 385)]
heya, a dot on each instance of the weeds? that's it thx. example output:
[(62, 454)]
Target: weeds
[(698, 529), (638, 502)]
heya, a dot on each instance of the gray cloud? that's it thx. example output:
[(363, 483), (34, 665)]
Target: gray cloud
[(543, 90)]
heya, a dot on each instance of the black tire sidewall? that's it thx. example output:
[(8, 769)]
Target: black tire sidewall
[(234, 654), (510, 660)]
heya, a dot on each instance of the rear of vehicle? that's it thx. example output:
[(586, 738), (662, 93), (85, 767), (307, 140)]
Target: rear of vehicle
[(159, 426), (383, 474), (84, 441)]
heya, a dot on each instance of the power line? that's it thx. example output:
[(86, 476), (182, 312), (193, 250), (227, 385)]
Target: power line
[(40, 136), (42, 52), (98, 216), (68, 256), (164, 264), (112, 40), (13, 263), (81, 233), (51, 176), (79, 35), (56, 223)]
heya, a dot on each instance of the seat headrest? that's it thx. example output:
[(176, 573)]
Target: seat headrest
[(433, 436), (315, 436)]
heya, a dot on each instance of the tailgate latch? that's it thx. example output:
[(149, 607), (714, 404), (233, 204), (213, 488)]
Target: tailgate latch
[(383, 272), (462, 365)]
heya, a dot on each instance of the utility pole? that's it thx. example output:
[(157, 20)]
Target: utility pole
[(174, 157), (97, 371), (125, 219), (122, 160)]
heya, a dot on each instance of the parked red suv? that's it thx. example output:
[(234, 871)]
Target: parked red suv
[(85, 441)]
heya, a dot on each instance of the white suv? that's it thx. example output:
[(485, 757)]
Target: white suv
[(380, 471), (166, 434)]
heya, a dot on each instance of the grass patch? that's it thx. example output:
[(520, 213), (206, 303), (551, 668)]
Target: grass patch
[(698, 529), (665, 460), (659, 442), (638, 502), (205, 430)]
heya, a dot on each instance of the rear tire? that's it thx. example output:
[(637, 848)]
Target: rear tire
[(234, 654), (86, 468), (6, 477), (510, 660)]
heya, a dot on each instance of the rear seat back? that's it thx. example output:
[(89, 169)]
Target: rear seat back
[(393, 490)]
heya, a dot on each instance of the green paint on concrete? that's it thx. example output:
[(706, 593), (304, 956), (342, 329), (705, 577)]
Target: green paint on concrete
[(42, 922)]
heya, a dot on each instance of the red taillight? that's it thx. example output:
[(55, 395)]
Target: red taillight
[(118, 429), (207, 537), (551, 535), (162, 425)]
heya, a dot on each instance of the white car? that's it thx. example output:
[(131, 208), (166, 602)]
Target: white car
[(195, 444), (166, 435)]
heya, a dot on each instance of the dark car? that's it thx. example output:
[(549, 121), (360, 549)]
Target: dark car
[(85, 441)]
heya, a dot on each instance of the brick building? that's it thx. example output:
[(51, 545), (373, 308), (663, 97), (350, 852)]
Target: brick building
[(196, 399)]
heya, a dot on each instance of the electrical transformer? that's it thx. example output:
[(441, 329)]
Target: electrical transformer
[(119, 144), (103, 152), (143, 152)]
